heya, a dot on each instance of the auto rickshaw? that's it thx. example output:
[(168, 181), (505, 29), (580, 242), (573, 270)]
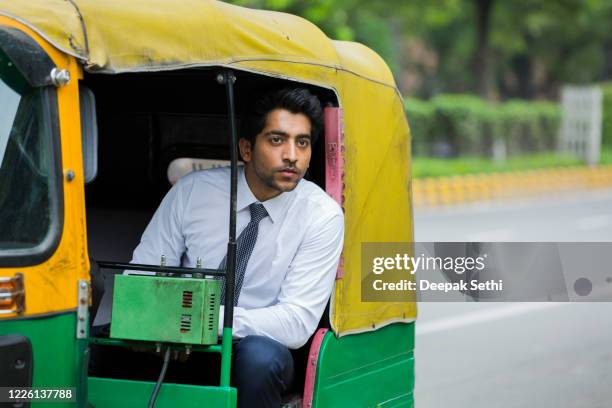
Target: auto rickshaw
[(99, 102)]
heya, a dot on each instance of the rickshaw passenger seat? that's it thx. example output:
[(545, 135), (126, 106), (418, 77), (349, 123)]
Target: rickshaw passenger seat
[(112, 235)]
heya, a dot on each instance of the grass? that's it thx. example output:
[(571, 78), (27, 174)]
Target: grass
[(606, 155), (436, 167)]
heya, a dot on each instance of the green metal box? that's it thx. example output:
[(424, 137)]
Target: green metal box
[(164, 309)]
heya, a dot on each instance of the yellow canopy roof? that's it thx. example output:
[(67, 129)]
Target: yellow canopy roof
[(147, 35)]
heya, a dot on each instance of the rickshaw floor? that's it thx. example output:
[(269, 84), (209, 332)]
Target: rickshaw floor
[(127, 364), (198, 369)]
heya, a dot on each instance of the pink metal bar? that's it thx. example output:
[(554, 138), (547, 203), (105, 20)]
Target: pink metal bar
[(334, 162), (311, 367)]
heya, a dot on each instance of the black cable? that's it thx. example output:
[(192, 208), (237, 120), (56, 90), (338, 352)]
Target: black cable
[(160, 379)]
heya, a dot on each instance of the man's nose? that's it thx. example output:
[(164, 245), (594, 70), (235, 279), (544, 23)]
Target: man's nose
[(290, 152)]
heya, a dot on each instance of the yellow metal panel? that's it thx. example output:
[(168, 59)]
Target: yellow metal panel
[(52, 285)]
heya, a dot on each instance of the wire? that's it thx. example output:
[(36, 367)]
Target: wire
[(160, 379)]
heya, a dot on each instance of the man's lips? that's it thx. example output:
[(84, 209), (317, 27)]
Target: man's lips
[(288, 172)]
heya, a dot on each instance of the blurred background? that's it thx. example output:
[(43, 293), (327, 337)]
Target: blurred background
[(510, 109)]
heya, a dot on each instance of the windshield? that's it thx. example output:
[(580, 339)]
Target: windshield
[(26, 164)]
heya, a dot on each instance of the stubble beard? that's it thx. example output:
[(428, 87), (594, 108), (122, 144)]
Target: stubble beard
[(268, 179)]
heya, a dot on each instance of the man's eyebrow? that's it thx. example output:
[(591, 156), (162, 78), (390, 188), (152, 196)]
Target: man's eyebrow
[(285, 134), (276, 132)]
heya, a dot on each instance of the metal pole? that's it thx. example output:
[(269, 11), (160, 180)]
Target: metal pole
[(177, 271), (228, 78)]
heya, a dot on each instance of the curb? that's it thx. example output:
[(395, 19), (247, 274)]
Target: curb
[(437, 191)]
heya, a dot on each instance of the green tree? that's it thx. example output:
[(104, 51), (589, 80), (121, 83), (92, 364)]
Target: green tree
[(499, 49)]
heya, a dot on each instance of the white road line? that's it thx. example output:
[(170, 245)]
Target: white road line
[(594, 222), (469, 319)]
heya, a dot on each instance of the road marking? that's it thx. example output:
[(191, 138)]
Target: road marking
[(456, 322), (593, 222)]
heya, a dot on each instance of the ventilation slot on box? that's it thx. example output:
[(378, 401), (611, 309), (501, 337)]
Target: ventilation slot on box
[(185, 323), (187, 299), (211, 307)]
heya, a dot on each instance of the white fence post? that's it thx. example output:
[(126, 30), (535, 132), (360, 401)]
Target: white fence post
[(581, 122)]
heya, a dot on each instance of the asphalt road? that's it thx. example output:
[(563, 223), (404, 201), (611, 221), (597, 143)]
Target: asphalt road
[(516, 354), (575, 217)]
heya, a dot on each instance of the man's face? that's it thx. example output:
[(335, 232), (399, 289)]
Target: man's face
[(281, 154)]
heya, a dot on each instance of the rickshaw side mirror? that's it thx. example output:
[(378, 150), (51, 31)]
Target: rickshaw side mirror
[(89, 133)]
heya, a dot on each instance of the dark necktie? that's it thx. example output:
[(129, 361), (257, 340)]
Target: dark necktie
[(244, 247)]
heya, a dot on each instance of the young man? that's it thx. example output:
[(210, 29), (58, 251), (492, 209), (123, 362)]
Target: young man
[(290, 236)]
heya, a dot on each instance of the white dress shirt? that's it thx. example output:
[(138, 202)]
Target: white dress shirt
[(291, 271)]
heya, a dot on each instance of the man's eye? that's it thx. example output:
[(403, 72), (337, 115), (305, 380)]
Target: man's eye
[(303, 142), (276, 140)]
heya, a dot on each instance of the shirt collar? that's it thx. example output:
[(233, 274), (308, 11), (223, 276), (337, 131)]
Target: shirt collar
[(274, 206)]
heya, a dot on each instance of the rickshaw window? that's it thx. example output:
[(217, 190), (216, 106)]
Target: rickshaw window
[(30, 177)]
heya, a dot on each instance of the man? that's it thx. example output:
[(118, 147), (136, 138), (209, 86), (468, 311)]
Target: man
[(290, 236)]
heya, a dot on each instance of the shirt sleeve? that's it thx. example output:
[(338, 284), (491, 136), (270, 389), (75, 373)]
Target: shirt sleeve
[(163, 235), (304, 292)]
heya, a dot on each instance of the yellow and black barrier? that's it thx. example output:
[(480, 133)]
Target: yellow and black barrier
[(438, 191)]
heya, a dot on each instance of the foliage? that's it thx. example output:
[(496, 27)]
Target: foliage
[(606, 128), (435, 167), (456, 124), (606, 155), (421, 120), (534, 46), (460, 124), (530, 126)]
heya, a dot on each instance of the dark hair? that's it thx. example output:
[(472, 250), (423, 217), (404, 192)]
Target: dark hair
[(295, 100)]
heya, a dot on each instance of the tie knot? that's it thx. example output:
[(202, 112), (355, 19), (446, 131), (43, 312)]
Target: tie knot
[(258, 212)]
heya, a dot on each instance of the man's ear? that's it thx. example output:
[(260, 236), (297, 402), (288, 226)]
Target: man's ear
[(245, 149)]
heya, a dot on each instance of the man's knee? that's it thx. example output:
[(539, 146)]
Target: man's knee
[(263, 360)]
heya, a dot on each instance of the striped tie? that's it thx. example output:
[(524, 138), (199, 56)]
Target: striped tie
[(244, 247)]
